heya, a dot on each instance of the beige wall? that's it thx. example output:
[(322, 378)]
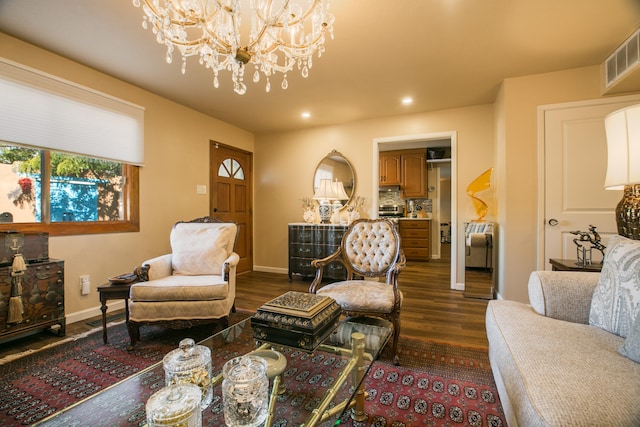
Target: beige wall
[(285, 164), (176, 160), (516, 149)]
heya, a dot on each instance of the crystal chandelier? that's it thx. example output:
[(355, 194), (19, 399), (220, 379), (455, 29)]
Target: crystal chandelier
[(282, 34)]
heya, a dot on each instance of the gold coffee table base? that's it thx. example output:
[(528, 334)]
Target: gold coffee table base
[(354, 367)]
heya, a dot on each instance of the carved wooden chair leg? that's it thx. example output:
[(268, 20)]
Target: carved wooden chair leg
[(396, 337), (134, 334)]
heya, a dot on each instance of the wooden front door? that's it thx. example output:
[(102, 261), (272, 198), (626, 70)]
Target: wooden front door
[(231, 178)]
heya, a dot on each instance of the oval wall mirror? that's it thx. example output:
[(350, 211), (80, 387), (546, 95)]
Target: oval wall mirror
[(337, 168)]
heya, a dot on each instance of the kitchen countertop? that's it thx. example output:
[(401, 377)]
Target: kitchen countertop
[(396, 219)]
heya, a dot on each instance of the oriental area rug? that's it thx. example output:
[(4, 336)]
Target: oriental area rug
[(436, 384)]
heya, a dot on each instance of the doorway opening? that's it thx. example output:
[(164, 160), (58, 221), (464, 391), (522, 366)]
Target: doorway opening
[(442, 193)]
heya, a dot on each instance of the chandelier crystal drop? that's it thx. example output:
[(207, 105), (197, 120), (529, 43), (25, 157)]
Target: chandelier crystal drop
[(277, 35)]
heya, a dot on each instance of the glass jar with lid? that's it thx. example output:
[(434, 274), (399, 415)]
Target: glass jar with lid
[(190, 364), (245, 391), (177, 405)]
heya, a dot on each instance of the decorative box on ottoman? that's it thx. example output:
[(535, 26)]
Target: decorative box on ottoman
[(296, 319)]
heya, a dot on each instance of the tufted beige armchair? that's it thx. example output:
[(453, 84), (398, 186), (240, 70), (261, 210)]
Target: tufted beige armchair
[(370, 249), (194, 284)]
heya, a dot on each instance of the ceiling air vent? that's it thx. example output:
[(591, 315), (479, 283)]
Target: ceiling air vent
[(621, 64)]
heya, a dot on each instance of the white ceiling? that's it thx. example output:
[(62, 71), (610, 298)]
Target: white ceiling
[(443, 53)]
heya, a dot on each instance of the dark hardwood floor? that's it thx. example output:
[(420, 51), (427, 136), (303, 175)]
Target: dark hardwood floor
[(431, 310)]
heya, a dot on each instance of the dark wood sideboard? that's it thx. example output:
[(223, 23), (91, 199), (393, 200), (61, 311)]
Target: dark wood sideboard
[(313, 241)]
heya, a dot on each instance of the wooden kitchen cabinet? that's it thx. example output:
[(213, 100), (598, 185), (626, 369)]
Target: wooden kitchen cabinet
[(415, 237), (414, 174), (390, 168), (406, 168)]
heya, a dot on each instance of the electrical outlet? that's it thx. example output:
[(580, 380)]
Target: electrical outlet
[(85, 285)]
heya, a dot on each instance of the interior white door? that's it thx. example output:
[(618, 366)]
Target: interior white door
[(575, 156)]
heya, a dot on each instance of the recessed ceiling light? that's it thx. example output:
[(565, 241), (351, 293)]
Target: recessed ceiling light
[(407, 100), (306, 115)]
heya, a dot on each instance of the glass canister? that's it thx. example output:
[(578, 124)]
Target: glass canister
[(190, 364), (175, 406), (245, 391)]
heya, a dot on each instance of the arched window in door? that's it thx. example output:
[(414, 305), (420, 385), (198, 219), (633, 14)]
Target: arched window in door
[(230, 168)]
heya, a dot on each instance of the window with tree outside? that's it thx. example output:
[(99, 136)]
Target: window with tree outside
[(63, 194)]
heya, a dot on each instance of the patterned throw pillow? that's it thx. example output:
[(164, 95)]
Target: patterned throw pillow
[(616, 298), (631, 346)]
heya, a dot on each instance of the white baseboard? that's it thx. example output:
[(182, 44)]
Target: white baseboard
[(80, 316), (270, 269)]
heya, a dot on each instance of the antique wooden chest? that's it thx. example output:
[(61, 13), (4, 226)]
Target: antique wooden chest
[(296, 319), (34, 247), (41, 297)]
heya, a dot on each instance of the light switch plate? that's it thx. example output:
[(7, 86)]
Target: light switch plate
[(201, 189)]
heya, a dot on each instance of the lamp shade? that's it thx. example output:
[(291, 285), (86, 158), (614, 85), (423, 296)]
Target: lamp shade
[(325, 190), (623, 148), (338, 189)]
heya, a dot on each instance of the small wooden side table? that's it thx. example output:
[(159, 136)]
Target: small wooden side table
[(570, 265), (109, 291)]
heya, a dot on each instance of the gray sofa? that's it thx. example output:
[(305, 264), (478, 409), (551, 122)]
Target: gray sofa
[(551, 367)]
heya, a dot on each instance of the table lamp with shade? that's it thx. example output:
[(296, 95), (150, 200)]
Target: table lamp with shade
[(325, 195), (340, 195), (623, 167)]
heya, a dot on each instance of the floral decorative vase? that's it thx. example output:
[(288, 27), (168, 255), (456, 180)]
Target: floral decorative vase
[(353, 215), (309, 216)]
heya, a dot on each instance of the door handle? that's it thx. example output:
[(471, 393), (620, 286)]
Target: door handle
[(553, 222)]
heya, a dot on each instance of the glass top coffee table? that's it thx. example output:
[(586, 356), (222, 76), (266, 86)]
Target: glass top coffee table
[(319, 388)]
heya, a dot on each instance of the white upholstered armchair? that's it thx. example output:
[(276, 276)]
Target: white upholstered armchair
[(370, 249), (195, 283)]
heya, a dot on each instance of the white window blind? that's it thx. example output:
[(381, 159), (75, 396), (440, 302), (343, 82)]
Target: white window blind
[(44, 111)]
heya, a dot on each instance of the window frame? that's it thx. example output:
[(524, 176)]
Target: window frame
[(131, 208)]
